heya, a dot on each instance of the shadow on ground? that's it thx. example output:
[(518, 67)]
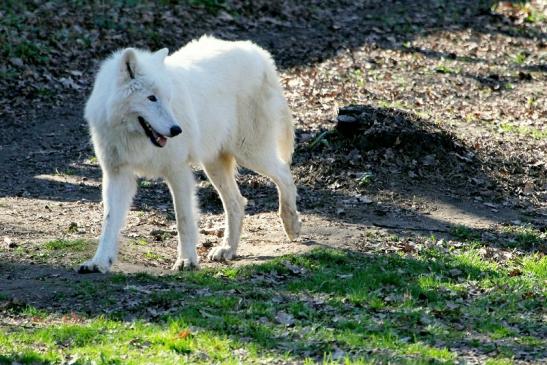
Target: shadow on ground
[(414, 164), (298, 33)]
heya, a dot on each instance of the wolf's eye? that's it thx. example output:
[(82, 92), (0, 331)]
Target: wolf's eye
[(152, 98)]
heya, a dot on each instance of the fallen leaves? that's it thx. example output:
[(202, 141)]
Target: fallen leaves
[(284, 318), (294, 269), (183, 334)]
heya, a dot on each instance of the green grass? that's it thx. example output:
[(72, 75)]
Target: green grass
[(524, 131), (93, 160), (152, 256), (358, 76), (464, 233), (64, 244), (520, 58), (145, 184), (320, 140), (535, 265), (365, 179), (385, 104), (532, 14), (66, 172), (525, 236), (140, 242), (522, 237), (535, 16), (445, 69), (337, 306), (25, 43)]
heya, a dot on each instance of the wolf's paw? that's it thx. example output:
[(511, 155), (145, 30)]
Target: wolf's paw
[(186, 264), (221, 253), (94, 266), (291, 224)]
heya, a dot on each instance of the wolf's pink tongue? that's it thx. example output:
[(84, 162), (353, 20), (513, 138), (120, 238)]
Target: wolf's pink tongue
[(162, 140)]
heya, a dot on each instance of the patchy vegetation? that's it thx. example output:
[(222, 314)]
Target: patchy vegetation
[(330, 306)]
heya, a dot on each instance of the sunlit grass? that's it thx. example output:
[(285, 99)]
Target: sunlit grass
[(65, 244), (328, 305)]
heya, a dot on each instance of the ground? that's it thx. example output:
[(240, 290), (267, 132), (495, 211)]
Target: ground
[(424, 227)]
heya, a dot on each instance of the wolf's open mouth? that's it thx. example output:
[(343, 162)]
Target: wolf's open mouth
[(156, 138)]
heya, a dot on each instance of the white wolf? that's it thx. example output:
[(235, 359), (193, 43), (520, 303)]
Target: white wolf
[(222, 105)]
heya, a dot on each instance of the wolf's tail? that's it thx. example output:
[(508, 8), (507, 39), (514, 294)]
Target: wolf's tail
[(278, 107), (286, 138)]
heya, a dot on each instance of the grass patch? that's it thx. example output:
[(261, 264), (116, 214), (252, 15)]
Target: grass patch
[(145, 184), (140, 242), (152, 256), (520, 58), (535, 265), (524, 236), (320, 140), (535, 133), (326, 306), (445, 69), (365, 179), (92, 160), (385, 104), (66, 172), (464, 233), (64, 244)]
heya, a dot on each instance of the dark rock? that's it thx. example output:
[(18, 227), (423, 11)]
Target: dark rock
[(347, 125), (352, 119), (346, 119)]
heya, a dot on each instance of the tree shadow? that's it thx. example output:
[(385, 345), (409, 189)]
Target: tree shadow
[(392, 151), (297, 33), (300, 33), (391, 301)]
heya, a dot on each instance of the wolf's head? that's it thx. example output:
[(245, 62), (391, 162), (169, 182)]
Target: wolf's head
[(133, 91)]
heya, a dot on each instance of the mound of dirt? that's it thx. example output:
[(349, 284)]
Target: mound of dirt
[(401, 139), (371, 128)]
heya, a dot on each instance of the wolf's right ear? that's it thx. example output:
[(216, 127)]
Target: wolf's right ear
[(161, 54), (128, 65)]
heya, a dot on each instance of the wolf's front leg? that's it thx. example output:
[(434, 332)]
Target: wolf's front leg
[(118, 191), (181, 184)]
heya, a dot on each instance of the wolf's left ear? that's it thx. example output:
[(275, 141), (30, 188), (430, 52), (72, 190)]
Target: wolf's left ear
[(129, 64), (161, 54)]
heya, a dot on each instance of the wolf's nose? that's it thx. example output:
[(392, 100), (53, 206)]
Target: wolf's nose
[(175, 131)]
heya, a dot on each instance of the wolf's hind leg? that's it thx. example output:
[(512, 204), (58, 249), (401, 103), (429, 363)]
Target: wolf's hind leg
[(281, 175), (181, 184), (222, 174), (269, 165), (118, 191)]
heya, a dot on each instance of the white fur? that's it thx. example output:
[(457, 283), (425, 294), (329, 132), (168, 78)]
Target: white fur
[(227, 99)]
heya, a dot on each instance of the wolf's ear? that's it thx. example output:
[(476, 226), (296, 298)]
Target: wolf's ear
[(161, 54), (128, 64)]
